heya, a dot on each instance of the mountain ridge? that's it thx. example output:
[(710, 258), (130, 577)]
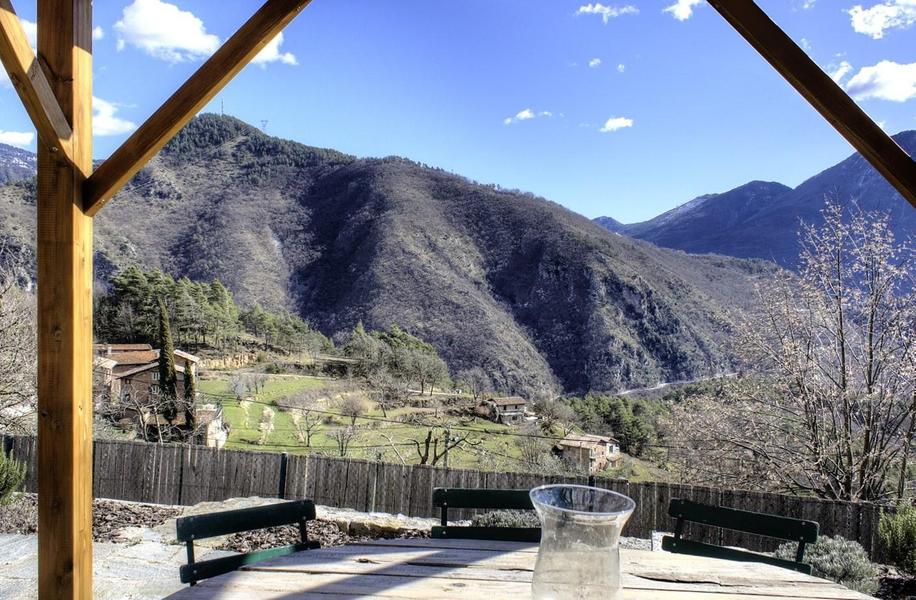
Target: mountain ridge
[(760, 219), (16, 164)]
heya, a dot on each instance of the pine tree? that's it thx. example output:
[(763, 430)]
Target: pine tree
[(168, 379)]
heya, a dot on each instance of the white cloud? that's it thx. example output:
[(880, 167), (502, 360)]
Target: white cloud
[(164, 31), (31, 33), (805, 43), (271, 53), (17, 138), (875, 21), (615, 123), (682, 9), (840, 71), (621, 68), (105, 120), (607, 12), (886, 80), (595, 62), (98, 33), (526, 115), (808, 4)]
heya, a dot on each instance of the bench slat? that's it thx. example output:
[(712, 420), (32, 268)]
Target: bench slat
[(508, 534), (682, 546), (198, 571), (785, 528), (245, 519), (482, 498)]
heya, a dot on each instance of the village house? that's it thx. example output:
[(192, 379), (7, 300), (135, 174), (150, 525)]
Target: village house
[(508, 411), (127, 392), (594, 453)]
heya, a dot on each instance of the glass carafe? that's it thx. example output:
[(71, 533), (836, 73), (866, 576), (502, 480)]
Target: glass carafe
[(579, 555)]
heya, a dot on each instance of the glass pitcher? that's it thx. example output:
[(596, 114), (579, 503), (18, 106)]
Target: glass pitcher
[(579, 556)]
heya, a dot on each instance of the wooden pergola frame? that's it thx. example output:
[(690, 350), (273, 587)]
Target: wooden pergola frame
[(56, 89)]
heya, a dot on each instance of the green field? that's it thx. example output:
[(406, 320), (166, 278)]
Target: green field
[(377, 439)]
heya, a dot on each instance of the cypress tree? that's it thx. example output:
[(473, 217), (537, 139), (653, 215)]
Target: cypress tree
[(190, 395), (168, 379)]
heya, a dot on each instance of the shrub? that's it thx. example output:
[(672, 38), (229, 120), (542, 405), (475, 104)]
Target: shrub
[(12, 474), (898, 532), (507, 518), (274, 369), (837, 559)]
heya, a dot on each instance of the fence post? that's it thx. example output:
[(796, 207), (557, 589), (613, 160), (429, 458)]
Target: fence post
[(281, 487), (181, 476)]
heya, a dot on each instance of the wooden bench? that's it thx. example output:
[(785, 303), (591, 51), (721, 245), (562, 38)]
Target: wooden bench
[(446, 498), (234, 521), (803, 532)]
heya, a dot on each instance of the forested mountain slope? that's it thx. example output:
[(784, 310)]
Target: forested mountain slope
[(542, 298)]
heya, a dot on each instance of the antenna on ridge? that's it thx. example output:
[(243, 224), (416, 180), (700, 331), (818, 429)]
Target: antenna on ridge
[(222, 108)]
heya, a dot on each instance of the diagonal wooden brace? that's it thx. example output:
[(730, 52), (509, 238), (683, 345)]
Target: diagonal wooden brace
[(822, 93), (190, 98), (31, 82)]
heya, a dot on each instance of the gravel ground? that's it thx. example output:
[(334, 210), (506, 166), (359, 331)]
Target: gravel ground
[(322, 531), (21, 516)]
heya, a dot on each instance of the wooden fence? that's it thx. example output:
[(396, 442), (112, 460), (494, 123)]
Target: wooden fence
[(185, 475)]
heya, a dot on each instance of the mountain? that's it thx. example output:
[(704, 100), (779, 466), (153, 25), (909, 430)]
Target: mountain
[(612, 225), (16, 164), (541, 297), (761, 219)]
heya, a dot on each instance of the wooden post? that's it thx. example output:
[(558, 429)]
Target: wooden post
[(65, 312)]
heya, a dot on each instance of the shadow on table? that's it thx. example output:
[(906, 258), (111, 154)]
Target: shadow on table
[(294, 576)]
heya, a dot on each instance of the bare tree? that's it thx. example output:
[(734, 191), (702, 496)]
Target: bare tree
[(389, 391), (352, 406), (555, 413), (343, 436), (476, 380), (153, 416), (427, 369), (430, 452), (18, 356), (831, 409), (256, 383), (304, 412), (238, 385)]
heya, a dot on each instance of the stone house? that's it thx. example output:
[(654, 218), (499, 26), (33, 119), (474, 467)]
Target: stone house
[(593, 453), (509, 410), (127, 392)]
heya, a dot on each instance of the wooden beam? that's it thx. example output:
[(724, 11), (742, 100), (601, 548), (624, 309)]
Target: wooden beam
[(30, 81), (190, 98), (65, 313), (824, 94)]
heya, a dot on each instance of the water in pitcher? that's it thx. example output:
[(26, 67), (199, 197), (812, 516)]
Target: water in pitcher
[(579, 555), (577, 574)]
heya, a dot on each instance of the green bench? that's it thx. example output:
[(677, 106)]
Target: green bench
[(798, 530), (446, 498), (235, 521)]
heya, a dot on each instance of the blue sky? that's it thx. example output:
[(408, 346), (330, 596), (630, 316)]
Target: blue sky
[(624, 109)]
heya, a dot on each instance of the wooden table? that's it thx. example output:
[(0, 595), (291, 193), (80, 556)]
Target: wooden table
[(482, 570)]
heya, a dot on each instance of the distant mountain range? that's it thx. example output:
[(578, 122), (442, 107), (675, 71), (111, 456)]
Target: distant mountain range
[(16, 164), (761, 219), (542, 298)]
